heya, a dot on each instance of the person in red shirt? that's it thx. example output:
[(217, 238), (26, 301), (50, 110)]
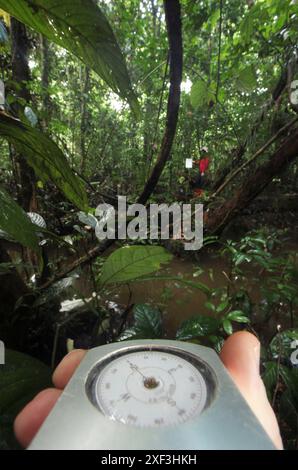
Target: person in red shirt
[(202, 165)]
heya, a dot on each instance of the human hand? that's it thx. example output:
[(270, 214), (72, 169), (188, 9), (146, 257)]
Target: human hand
[(240, 354)]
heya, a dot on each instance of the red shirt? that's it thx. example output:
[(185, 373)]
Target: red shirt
[(203, 164)]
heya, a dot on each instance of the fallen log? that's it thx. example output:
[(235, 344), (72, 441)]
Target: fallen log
[(218, 218)]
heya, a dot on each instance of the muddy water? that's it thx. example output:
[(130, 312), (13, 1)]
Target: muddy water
[(177, 301)]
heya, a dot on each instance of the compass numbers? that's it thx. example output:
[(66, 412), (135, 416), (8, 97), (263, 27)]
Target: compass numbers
[(125, 397), (131, 419), (151, 388), (174, 369)]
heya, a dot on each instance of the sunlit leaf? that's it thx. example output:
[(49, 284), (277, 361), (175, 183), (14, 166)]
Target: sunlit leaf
[(247, 79), (202, 94), (80, 27), (45, 157), (131, 262), (246, 28)]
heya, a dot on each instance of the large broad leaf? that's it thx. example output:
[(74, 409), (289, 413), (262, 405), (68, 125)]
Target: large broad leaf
[(15, 222), (147, 323), (196, 327), (80, 27), (21, 378), (45, 157), (247, 79), (246, 28), (202, 94), (132, 262)]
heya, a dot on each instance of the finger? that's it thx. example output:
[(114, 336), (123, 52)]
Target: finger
[(29, 420), (241, 356), (67, 366)]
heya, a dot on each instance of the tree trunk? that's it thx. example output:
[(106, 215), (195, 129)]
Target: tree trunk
[(217, 219), (21, 75), (84, 116), (45, 82), (173, 19)]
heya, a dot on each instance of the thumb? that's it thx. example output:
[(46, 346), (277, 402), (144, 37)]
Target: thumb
[(241, 356)]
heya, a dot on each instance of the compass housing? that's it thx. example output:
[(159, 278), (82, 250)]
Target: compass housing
[(80, 420)]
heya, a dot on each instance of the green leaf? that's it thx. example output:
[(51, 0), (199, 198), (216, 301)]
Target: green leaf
[(147, 323), (222, 306), (270, 377), (214, 18), (240, 258), (132, 262), (80, 27), (210, 306), (246, 28), (217, 342), (197, 326), (87, 219), (247, 79), (227, 326), (201, 94), (238, 316), (21, 378), (281, 343), (289, 376), (45, 157), (288, 411), (15, 222), (211, 22)]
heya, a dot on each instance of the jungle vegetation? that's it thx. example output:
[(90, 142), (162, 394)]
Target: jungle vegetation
[(106, 98)]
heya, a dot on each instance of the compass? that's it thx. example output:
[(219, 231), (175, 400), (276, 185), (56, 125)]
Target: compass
[(146, 387), (155, 394)]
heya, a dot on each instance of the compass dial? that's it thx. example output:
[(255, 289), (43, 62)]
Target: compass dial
[(150, 388)]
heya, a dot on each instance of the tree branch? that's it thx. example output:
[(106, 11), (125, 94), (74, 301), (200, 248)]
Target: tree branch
[(218, 218), (257, 154)]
